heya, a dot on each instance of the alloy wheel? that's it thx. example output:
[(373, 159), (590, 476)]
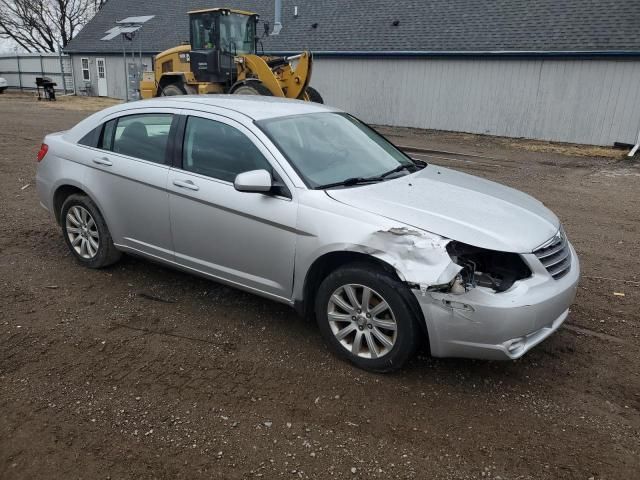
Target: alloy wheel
[(82, 231), (362, 321)]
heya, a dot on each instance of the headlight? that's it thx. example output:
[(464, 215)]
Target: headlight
[(487, 268)]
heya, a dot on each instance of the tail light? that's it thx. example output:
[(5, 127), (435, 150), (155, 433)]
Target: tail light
[(44, 148)]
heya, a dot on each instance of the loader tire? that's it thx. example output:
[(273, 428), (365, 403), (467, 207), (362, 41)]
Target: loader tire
[(314, 95), (254, 87), (173, 89)]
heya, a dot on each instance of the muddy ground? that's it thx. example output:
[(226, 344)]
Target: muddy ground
[(138, 371)]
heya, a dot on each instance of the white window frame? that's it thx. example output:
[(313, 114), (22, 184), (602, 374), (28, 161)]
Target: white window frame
[(85, 71)]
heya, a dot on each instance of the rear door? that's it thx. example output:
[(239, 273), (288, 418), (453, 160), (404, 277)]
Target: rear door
[(243, 238), (129, 179)]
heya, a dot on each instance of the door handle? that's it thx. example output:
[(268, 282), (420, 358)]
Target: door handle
[(186, 184), (103, 161)]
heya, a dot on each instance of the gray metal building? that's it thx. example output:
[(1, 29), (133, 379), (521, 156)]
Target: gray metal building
[(563, 71), (20, 70)]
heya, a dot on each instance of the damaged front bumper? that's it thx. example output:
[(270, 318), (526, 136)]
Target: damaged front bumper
[(484, 324)]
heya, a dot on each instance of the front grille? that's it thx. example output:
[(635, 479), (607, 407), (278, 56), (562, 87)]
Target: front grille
[(555, 255)]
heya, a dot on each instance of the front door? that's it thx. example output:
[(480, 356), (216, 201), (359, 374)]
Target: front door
[(102, 77), (244, 238)]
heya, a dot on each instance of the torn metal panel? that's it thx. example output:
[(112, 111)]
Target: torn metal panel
[(418, 257)]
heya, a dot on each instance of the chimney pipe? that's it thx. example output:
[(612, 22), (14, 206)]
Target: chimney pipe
[(277, 23)]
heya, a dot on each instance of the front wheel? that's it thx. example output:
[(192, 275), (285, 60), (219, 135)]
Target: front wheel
[(253, 87), (364, 314)]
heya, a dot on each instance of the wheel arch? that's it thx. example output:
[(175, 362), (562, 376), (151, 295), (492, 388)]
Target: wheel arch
[(64, 191), (170, 79), (327, 263)]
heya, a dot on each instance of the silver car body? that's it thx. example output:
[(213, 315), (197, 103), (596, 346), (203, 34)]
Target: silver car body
[(268, 244)]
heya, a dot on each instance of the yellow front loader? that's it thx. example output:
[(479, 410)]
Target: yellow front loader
[(221, 58)]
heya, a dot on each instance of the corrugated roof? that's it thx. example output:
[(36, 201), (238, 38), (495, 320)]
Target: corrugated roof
[(422, 26)]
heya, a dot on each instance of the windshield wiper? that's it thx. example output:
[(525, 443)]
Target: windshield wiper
[(399, 168), (349, 182), (361, 180)]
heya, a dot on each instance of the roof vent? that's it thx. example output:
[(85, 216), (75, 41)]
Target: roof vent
[(396, 23), (314, 25)]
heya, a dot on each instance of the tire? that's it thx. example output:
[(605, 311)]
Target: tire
[(173, 89), (404, 339), (252, 87), (94, 252), (2, 90), (314, 95)]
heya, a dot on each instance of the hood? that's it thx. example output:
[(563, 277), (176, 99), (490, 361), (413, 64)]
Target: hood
[(458, 206)]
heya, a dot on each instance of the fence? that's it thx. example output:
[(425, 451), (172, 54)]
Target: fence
[(21, 70)]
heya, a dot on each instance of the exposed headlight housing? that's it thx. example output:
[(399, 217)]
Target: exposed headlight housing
[(487, 268)]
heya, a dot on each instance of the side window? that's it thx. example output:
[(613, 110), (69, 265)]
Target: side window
[(142, 136), (91, 139), (106, 140), (220, 151)]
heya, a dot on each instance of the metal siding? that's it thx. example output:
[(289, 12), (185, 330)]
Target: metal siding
[(114, 65), (593, 101), (31, 66)]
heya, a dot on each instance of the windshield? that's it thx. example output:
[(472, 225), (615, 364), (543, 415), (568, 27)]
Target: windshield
[(203, 31), (237, 33), (329, 148)]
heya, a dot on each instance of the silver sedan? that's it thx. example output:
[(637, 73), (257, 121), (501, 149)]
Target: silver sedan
[(305, 205)]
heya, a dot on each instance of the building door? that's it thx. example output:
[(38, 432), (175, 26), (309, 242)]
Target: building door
[(102, 77)]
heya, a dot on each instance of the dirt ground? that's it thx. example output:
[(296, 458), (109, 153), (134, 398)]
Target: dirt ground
[(138, 371)]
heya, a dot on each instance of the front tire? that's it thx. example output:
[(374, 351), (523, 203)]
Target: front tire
[(253, 87), (174, 89), (86, 234), (365, 317)]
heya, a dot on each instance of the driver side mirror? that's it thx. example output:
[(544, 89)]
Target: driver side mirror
[(254, 181)]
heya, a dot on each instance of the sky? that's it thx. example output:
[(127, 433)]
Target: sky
[(6, 46)]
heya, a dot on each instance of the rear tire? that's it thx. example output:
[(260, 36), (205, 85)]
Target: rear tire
[(86, 234), (253, 87), (173, 89), (391, 332), (314, 95)]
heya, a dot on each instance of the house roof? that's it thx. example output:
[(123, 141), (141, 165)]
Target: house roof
[(421, 26)]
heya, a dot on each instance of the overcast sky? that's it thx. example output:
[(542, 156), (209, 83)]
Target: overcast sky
[(6, 46)]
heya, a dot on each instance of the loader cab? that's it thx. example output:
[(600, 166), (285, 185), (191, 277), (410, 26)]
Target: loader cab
[(217, 36)]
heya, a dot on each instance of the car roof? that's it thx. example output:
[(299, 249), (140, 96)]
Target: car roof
[(254, 107)]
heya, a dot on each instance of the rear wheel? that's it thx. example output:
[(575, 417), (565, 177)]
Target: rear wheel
[(253, 88), (177, 89), (314, 95), (86, 233), (364, 314)]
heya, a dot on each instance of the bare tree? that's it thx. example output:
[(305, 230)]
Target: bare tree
[(42, 25)]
